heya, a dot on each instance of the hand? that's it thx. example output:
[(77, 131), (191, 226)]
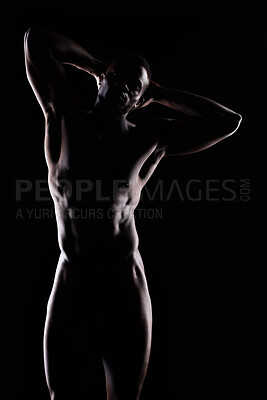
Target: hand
[(149, 95)]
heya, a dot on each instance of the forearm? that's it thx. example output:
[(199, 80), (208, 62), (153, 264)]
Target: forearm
[(63, 50)]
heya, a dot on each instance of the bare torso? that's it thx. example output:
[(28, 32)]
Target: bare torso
[(96, 185), (98, 164), (100, 300)]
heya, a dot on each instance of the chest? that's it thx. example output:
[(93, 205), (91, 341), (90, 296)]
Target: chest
[(87, 153)]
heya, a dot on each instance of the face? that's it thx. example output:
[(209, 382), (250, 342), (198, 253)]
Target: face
[(122, 87)]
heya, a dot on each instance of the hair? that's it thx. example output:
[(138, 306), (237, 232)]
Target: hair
[(132, 58)]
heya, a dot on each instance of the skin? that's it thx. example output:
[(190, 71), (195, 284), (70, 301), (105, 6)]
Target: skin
[(100, 304)]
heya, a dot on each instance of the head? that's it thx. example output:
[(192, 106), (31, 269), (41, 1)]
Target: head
[(123, 85)]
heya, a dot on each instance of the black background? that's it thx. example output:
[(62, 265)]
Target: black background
[(199, 256)]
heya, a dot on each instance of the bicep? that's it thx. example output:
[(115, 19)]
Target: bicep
[(46, 76), (187, 135)]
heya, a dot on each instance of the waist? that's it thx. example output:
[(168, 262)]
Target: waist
[(99, 282), (98, 238)]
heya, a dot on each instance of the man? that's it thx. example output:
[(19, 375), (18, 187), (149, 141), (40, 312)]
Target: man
[(98, 162)]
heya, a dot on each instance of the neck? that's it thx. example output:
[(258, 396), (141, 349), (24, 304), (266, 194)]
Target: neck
[(108, 122)]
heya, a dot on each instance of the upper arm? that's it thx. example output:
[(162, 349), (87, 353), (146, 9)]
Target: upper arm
[(47, 76), (186, 135)]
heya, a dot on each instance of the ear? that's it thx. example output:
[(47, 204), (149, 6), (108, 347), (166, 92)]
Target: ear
[(139, 103), (100, 80)]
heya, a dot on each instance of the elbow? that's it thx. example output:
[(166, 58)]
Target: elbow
[(231, 124), (28, 34), (34, 42), (26, 44), (28, 38), (237, 120), (234, 122), (227, 126), (32, 30)]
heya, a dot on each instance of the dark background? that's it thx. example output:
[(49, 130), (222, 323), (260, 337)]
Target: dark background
[(199, 256)]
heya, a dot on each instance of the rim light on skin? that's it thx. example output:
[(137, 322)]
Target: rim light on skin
[(121, 89)]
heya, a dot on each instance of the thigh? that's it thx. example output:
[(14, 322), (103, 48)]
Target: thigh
[(126, 331), (70, 340)]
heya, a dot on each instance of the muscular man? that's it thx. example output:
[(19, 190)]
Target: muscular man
[(98, 160)]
